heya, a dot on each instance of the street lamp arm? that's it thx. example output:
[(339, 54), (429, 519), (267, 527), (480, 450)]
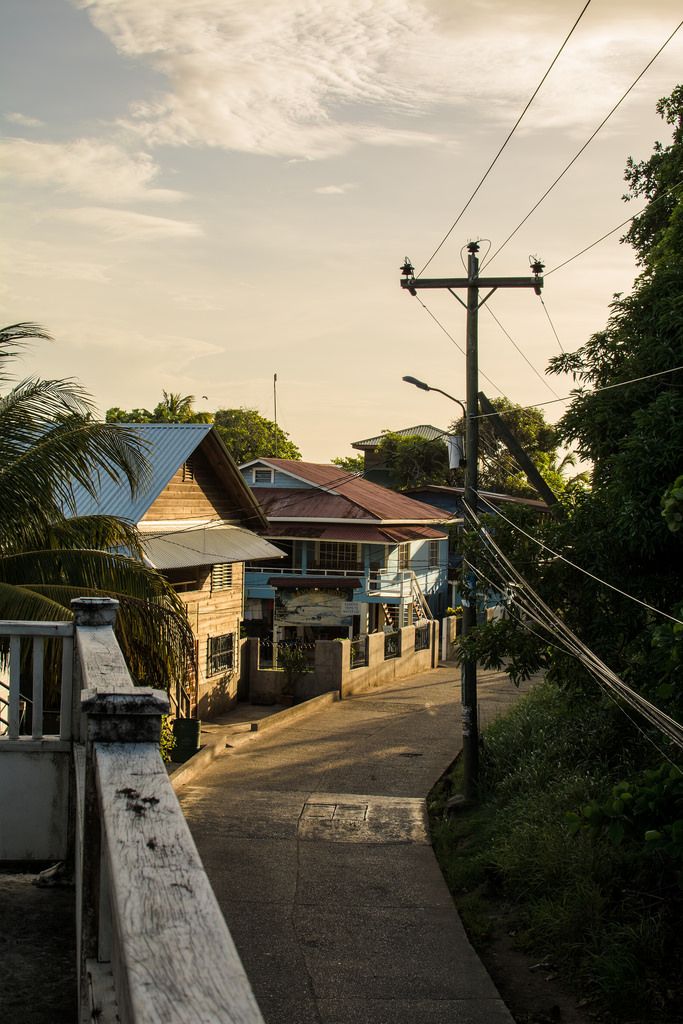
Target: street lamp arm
[(428, 387)]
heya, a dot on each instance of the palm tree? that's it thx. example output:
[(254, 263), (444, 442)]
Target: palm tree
[(177, 408), (50, 442)]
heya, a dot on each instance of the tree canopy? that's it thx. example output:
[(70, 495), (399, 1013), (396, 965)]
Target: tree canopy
[(627, 418), (414, 462), (173, 408), (350, 463), (248, 435)]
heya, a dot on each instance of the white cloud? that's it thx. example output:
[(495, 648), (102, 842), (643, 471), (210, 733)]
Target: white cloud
[(275, 78), (314, 78), (126, 225), (23, 119), (335, 190), (59, 269), (91, 168)]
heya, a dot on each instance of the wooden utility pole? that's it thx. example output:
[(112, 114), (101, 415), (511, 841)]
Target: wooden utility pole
[(470, 722)]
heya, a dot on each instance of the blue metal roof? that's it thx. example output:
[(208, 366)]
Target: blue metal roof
[(167, 446)]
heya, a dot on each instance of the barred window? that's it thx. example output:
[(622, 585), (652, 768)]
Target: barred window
[(220, 654), (221, 576), (433, 554)]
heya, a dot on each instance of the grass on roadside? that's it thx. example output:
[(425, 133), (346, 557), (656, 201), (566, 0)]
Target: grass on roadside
[(606, 912)]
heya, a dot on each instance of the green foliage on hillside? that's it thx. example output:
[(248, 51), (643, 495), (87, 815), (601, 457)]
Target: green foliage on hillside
[(588, 787)]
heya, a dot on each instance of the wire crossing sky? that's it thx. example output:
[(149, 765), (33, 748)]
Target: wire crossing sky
[(199, 195)]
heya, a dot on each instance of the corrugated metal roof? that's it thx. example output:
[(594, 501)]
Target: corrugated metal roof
[(424, 430), (360, 533), (375, 501), (204, 545), (295, 502), (167, 447)]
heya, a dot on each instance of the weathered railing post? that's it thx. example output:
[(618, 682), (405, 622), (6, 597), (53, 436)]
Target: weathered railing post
[(111, 710)]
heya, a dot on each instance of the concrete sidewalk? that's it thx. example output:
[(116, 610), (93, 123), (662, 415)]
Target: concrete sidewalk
[(315, 839)]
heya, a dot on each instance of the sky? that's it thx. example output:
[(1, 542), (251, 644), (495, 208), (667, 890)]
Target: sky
[(198, 194)]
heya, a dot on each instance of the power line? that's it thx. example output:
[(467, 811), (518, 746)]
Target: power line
[(667, 725), (580, 568), (521, 352), (579, 394), (584, 146), (566, 650), (545, 310), (509, 136), (457, 345), (623, 224)]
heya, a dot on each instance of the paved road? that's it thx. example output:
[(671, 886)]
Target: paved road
[(315, 839)]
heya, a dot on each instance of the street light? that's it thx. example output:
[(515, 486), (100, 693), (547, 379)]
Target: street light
[(428, 387), (470, 724)]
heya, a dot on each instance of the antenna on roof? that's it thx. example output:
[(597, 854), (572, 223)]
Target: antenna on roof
[(275, 409)]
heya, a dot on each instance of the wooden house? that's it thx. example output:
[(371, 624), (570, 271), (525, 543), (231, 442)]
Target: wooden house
[(197, 518)]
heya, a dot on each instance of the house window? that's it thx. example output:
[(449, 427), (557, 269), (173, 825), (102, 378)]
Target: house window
[(221, 576), (433, 554), (183, 580), (403, 557), (220, 652), (188, 472), (263, 476), (337, 555)]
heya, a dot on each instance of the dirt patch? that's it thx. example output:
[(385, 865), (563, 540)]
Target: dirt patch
[(37, 950), (529, 986)]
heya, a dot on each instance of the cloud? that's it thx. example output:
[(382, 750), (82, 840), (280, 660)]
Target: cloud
[(335, 190), (92, 168), (60, 269), (23, 119), (276, 78), (126, 225), (316, 78)]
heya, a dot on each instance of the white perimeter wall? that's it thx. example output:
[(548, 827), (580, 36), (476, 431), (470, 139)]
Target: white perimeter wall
[(34, 801)]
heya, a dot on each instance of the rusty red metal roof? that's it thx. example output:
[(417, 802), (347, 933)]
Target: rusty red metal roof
[(366, 499), (360, 533)]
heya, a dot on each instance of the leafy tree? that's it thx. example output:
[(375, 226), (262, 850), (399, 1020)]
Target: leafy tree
[(248, 435), (49, 442), (173, 408), (499, 472), (413, 461), (633, 435), (350, 463)]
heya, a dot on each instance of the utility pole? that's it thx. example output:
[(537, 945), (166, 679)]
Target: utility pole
[(470, 721)]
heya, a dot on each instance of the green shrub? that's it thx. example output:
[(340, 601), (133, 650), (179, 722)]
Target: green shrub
[(556, 775)]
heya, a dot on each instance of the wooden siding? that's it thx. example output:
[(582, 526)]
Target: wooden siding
[(214, 614), (205, 497)]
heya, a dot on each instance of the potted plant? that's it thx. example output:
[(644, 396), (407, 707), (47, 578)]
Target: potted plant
[(295, 664)]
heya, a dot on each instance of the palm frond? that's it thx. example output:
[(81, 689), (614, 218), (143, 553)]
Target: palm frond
[(24, 603), (91, 568), (12, 340), (106, 533), (38, 485)]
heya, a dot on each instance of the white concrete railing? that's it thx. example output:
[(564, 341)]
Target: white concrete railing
[(152, 945), (152, 942), (22, 699)]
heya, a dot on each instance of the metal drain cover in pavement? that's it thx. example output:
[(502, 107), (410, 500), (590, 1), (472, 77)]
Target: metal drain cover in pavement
[(350, 818)]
